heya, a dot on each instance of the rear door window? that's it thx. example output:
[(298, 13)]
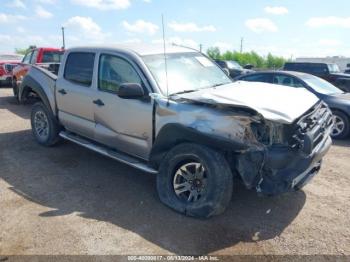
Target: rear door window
[(265, 78), (79, 68), (287, 81)]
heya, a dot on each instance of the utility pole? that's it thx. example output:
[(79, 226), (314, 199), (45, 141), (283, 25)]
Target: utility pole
[(63, 40), (242, 39)]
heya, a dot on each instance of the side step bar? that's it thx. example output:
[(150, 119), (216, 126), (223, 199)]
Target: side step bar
[(128, 160)]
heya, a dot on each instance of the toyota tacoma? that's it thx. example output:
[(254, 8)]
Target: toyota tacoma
[(174, 113)]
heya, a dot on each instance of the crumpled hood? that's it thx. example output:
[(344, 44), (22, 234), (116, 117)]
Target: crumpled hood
[(274, 102)]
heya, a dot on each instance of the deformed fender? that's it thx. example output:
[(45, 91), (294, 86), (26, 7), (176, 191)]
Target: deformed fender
[(28, 84), (172, 134)]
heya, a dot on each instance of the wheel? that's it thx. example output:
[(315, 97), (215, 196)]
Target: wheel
[(195, 180), (15, 88), (341, 126), (44, 126)]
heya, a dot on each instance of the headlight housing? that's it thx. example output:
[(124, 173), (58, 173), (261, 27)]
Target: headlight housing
[(270, 133)]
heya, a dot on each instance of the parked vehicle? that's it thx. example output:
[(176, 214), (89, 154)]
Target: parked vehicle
[(192, 127), (233, 68), (7, 63), (328, 72), (347, 70), (337, 100), (43, 56)]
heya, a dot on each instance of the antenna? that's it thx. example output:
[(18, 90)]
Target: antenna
[(63, 40), (165, 60)]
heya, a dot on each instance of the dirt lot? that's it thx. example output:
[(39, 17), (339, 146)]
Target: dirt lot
[(68, 200)]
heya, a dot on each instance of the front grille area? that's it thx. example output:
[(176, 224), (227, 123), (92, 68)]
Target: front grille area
[(313, 127)]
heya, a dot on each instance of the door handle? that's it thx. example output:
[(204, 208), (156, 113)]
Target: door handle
[(62, 92), (98, 102)]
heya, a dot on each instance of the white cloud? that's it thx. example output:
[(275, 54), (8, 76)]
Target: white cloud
[(20, 29), (147, 1), (132, 41), (178, 41), (51, 2), (7, 18), (329, 21), (276, 10), (42, 12), (17, 4), (223, 46), (85, 28), (141, 26), (190, 27), (104, 4), (260, 25), (330, 42), (20, 41)]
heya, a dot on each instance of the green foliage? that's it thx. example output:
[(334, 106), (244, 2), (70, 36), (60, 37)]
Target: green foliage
[(214, 53), (252, 58), (23, 51)]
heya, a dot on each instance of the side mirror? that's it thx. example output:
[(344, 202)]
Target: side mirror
[(249, 67), (131, 91)]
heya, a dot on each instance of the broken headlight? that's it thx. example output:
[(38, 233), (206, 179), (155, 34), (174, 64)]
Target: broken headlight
[(269, 133)]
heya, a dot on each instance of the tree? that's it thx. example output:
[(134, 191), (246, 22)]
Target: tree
[(23, 51), (214, 53), (253, 58)]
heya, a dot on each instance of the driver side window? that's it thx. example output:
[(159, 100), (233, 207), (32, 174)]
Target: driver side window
[(113, 72)]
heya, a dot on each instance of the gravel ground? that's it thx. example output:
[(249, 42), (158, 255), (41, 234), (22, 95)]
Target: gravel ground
[(68, 200)]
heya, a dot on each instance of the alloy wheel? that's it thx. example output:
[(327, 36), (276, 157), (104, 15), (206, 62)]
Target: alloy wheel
[(338, 127), (190, 182), (41, 125)]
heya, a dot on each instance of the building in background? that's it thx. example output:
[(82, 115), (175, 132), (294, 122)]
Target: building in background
[(341, 61)]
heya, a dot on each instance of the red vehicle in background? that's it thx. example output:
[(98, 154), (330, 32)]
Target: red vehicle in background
[(7, 63), (42, 56)]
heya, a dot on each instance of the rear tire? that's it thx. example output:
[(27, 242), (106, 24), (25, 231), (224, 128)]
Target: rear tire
[(44, 125), (341, 127), (195, 180), (15, 88)]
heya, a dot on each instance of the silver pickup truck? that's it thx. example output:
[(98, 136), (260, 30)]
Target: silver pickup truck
[(178, 115)]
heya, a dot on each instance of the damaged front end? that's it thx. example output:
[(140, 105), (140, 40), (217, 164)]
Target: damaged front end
[(288, 155)]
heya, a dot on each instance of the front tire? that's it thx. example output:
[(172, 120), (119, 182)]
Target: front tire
[(341, 128), (195, 180), (44, 126)]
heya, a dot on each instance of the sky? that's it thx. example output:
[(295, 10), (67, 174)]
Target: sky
[(289, 28)]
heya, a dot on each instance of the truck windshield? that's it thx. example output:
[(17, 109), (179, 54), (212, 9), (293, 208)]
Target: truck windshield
[(321, 86), (234, 65), (333, 68), (52, 56), (186, 72)]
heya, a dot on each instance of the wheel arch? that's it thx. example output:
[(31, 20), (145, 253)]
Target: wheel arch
[(174, 134), (30, 85)]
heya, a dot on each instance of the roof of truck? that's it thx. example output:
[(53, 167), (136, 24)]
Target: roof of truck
[(139, 48)]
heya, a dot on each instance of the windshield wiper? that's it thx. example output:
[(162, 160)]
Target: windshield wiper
[(221, 84), (184, 92)]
